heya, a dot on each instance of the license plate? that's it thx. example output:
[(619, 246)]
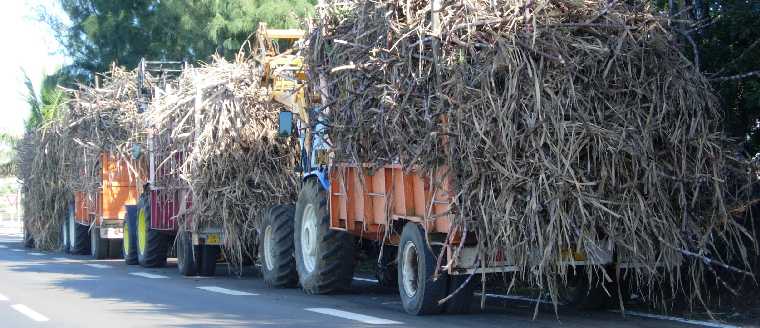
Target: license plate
[(213, 239)]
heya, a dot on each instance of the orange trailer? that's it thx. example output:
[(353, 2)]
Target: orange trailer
[(103, 211)]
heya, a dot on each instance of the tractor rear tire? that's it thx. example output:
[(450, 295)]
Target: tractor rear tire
[(152, 245), (186, 255), (98, 245), (208, 255), (324, 257), (278, 265), (416, 265), (129, 243)]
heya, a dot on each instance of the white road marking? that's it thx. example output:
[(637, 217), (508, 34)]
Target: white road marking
[(148, 275), (3, 246), (366, 279), (60, 259), (354, 316), (25, 310), (17, 250), (37, 254), (677, 319), (225, 291), (99, 266), (517, 298), (3, 297)]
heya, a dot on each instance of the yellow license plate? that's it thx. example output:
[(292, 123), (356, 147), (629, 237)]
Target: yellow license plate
[(213, 239)]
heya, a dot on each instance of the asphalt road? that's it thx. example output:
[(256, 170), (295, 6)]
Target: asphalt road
[(52, 289)]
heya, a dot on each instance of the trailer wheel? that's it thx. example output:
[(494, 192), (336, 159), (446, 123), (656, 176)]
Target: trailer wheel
[(115, 248), (580, 294), (98, 246), (186, 263), (79, 238), (28, 239), (129, 244), (151, 244), (386, 270), (208, 256), (65, 242), (324, 257), (278, 264), (416, 265), (460, 303)]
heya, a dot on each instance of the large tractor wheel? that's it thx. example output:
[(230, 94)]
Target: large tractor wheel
[(324, 257), (98, 245), (151, 244), (129, 243), (278, 265), (186, 255), (416, 265)]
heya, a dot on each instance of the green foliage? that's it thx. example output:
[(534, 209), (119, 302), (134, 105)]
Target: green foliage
[(48, 104), (727, 38), (101, 32)]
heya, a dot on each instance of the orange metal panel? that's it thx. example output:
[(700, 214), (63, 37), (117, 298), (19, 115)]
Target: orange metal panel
[(115, 171), (113, 200), (364, 201)]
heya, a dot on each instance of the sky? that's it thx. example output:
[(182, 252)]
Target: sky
[(29, 46)]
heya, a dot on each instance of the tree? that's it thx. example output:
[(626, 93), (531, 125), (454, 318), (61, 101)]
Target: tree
[(101, 32), (724, 43)]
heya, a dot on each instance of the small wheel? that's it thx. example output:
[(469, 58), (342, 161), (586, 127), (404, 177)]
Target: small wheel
[(209, 255), (186, 263), (115, 247), (98, 246), (324, 257), (278, 265), (151, 244), (79, 237), (129, 243), (460, 303), (416, 265), (28, 238), (65, 242), (579, 293), (386, 270)]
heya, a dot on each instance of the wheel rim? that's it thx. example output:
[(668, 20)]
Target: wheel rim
[(126, 239), (94, 242), (309, 237), (72, 230), (141, 231), (410, 271), (268, 248)]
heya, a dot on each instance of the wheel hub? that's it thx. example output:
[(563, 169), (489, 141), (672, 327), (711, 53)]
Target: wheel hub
[(309, 237), (410, 271), (268, 248), (141, 231)]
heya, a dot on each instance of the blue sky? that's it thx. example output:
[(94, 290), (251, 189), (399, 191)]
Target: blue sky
[(29, 45)]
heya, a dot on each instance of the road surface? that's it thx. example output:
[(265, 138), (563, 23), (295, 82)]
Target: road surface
[(52, 289)]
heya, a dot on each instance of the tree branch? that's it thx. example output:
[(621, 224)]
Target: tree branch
[(736, 77)]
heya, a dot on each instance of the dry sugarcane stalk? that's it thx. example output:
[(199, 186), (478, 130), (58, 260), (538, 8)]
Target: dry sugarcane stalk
[(221, 122), (568, 125)]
